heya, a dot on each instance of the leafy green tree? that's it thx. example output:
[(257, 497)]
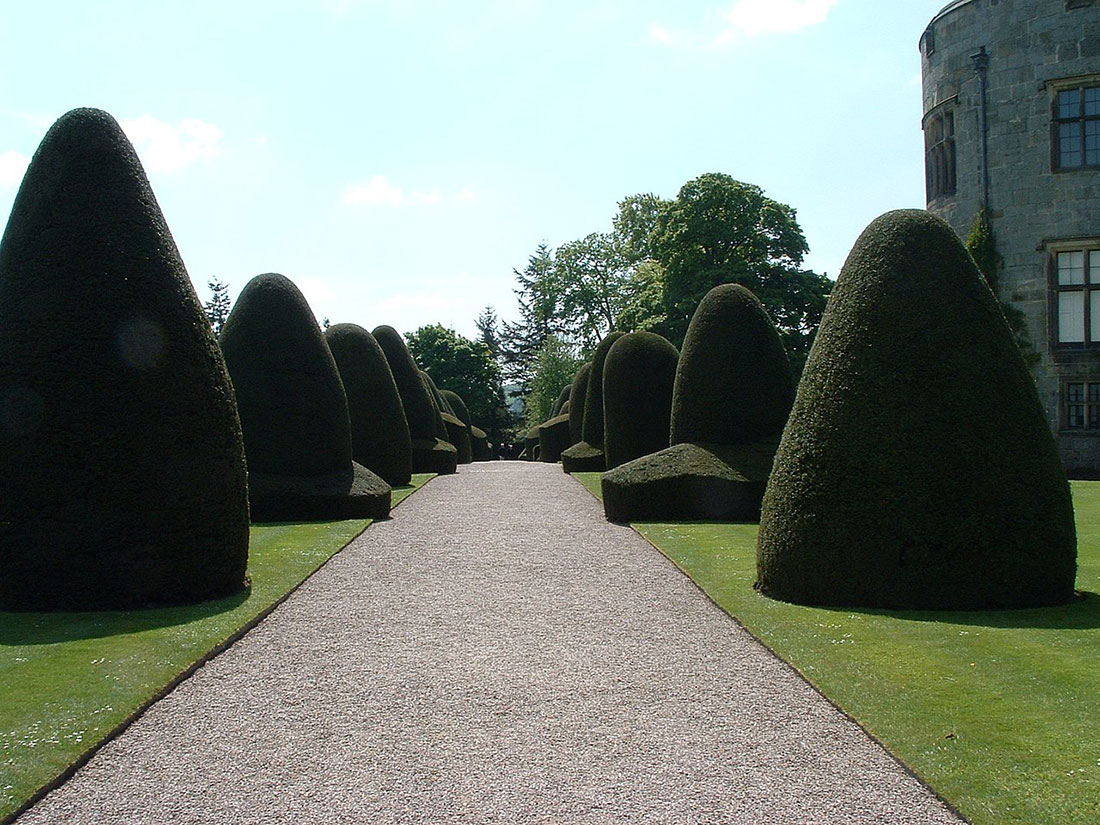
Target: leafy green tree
[(593, 278), (466, 367), (217, 308), (488, 325), (555, 365), (719, 230), (634, 225)]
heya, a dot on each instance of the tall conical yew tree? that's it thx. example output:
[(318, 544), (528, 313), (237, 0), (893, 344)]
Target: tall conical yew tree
[(587, 455), (294, 413), (917, 469), (122, 472), (379, 432), (430, 454)]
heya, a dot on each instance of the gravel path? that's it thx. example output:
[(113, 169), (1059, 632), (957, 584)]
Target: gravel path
[(497, 652)]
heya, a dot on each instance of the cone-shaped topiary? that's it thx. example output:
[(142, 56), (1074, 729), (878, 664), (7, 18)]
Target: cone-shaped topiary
[(122, 472), (294, 414), (457, 406), (733, 362), (587, 455), (917, 470), (430, 454), (577, 393), (637, 396), (563, 396), (457, 433), (379, 432)]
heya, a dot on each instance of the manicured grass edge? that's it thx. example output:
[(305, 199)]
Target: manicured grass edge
[(82, 760), (591, 482)]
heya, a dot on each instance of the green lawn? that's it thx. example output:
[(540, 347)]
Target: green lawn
[(68, 680), (998, 711)]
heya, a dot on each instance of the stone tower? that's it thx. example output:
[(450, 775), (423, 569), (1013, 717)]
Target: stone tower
[(1011, 121)]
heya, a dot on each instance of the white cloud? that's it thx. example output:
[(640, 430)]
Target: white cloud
[(12, 168), (378, 191), (746, 19), (163, 147)]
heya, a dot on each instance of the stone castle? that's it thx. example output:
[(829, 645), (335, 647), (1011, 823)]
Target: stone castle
[(1011, 121)]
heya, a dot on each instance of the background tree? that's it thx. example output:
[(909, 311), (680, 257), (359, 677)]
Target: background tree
[(217, 308), (593, 277), (555, 365), (488, 327), (719, 230), (456, 363), (540, 316)]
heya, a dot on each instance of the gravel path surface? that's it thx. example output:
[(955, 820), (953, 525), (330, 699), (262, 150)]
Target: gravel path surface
[(497, 652)]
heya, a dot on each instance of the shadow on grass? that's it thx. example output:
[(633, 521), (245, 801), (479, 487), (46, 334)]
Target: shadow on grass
[(32, 628), (1081, 614)]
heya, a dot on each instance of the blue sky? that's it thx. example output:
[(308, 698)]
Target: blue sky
[(398, 160)]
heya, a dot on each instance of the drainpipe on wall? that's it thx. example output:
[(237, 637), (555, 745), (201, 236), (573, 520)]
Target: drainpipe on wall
[(981, 66)]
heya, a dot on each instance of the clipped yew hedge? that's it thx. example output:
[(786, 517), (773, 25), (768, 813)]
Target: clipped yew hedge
[(917, 470), (294, 414), (577, 393), (587, 455), (379, 432), (730, 401), (122, 470), (638, 375), (430, 454)]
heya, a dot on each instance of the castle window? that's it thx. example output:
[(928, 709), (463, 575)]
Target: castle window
[(939, 155), (1077, 296), (1082, 405), (1077, 127)]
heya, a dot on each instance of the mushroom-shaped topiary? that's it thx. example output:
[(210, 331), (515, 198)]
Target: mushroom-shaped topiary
[(479, 442), (587, 455), (917, 470), (122, 472), (379, 432), (563, 396), (430, 454), (577, 392), (294, 414), (637, 396), (731, 397)]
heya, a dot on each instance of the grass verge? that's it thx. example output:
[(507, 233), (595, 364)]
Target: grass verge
[(998, 711), (70, 681)]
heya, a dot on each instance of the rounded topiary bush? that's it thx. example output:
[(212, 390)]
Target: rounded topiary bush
[(379, 432), (577, 393), (917, 469), (294, 414), (731, 394), (457, 406), (637, 396), (479, 442), (455, 431), (430, 454), (122, 471), (563, 396), (553, 438), (587, 455), (733, 384)]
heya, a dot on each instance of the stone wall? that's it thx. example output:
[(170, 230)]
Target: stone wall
[(1033, 47)]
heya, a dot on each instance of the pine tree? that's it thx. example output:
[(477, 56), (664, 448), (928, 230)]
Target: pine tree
[(217, 308)]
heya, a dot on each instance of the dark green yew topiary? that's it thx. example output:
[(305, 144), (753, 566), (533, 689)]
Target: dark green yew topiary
[(430, 454), (587, 455), (917, 470), (734, 384), (733, 362), (294, 414), (122, 472), (482, 449), (457, 406), (441, 430), (553, 438), (577, 393), (563, 396), (379, 433), (637, 396)]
